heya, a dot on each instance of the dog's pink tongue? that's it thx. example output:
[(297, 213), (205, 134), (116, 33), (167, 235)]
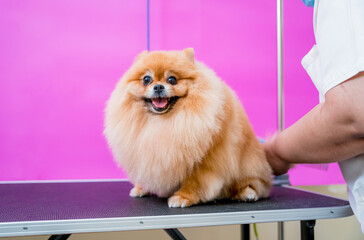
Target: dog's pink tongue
[(160, 102)]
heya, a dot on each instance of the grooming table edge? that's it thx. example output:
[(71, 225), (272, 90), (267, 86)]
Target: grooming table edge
[(167, 221)]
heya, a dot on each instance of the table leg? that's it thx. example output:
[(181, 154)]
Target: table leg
[(307, 230), (59, 237), (280, 230), (245, 232), (175, 234)]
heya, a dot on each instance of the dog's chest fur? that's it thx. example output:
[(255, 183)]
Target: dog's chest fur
[(160, 154)]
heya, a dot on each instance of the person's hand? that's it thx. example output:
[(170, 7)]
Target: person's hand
[(279, 165)]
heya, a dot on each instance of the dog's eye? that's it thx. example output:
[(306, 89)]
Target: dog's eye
[(146, 80), (172, 80)]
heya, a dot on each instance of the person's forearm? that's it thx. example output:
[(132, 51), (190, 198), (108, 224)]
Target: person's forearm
[(317, 139), (331, 132)]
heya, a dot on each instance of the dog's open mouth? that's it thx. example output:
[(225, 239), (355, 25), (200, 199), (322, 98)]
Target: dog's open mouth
[(161, 104)]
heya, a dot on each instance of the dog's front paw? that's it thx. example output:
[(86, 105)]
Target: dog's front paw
[(249, 195), (137, 191), (177, 201)]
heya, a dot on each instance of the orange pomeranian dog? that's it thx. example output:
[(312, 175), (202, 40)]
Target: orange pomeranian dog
[(180, 132)]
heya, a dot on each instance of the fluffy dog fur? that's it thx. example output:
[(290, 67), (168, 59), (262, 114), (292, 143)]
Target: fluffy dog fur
[(200, 149)]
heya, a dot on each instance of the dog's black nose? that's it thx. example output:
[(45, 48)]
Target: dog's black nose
[(158, 88)]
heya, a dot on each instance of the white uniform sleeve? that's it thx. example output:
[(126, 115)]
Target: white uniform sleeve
[(339, 51)]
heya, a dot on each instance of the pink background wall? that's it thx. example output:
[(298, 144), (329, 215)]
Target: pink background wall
[(59, 61)]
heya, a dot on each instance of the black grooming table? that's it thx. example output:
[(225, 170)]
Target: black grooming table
[(79, 207)]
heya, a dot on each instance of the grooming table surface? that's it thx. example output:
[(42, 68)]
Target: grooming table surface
[(77, 207)]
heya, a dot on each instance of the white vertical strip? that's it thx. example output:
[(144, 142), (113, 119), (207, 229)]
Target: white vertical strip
[(280, 94)]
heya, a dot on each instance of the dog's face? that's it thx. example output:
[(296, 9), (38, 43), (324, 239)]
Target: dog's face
[(161, 79)]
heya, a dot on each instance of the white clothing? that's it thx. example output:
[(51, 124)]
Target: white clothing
[(337, 56), (339, 51), (352, 170)]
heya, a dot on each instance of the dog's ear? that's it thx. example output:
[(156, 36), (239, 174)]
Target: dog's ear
[(190, 53), (141, 55)]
